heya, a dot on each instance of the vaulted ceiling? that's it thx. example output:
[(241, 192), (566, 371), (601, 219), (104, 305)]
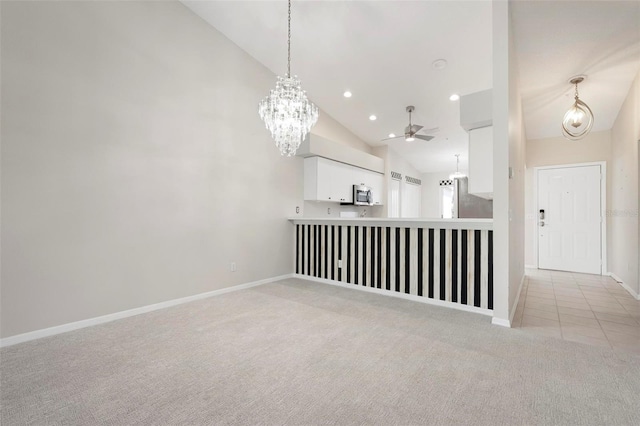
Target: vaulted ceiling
[(557, 40), (383, 52)]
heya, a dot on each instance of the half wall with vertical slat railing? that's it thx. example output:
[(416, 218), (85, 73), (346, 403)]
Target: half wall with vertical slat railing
[(446, 261)]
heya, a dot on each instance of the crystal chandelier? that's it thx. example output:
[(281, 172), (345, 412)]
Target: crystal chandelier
[(578, 120), (286, 112), (458, 174)]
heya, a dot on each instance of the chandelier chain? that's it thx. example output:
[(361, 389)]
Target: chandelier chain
[(289, 42)]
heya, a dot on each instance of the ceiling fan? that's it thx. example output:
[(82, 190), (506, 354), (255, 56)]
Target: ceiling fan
[(410, 132)]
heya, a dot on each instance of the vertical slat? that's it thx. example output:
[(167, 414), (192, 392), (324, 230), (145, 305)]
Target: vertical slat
[(398, 253), (355, 271), (443, 263), (320, 251), (400, 264), (470, 267), (484, 275), (447, 264), (379, 257), (331, 256), (464, 267), (490, 270), (363, 255), (459, 266), (368, 269), (430, 263), (384, 255), (308, 250), (436, 264), (311, 250), (391, 246), (326, 251), (477, 273), (454, 266), (421, 256), (413, 262), (341, 254), (349, 250), (321, 259)]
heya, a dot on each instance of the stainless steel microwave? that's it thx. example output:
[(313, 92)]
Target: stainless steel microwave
[(362, 195)]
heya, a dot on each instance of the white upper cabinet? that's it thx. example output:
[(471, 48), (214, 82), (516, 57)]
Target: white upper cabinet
[(327, 180), (481, 162)]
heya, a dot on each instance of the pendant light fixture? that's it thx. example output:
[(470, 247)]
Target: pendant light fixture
[(458, 174), (578, 120), (286, 112)]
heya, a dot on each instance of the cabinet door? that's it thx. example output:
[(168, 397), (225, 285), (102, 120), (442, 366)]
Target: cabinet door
[(325, 185), (481, 162), (342, 180), (377, 186), (334, 181)]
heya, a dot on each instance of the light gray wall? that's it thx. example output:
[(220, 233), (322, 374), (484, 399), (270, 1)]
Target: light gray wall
[(596, 146), (508, 151), (623, 222), (135, 167)]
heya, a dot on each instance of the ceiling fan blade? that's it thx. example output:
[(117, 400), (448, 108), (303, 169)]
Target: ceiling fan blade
[(424, 138), (412, 129), (395, 137), (431, 130)]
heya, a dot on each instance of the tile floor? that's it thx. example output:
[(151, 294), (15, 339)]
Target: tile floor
[(583, 308)]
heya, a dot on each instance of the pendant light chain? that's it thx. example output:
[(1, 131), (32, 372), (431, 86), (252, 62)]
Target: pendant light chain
[(289, 43)]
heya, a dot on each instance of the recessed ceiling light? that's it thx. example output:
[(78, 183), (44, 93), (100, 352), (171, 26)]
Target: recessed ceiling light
[(454, 97), (392, 135), (347, 94), (372, 117), (439, 64)]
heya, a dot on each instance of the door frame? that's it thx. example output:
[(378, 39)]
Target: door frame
[(603, 207)]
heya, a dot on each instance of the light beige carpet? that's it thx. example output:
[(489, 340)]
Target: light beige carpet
[(298, 352)]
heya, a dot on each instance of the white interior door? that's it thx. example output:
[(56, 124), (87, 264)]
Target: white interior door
[(394, 198), (410, 200), (569, 217)]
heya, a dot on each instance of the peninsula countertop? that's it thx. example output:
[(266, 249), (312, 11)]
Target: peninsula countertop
[(418, 222)]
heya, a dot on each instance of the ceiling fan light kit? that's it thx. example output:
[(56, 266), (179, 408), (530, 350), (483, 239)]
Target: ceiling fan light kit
[(286, 112), (578, 120)]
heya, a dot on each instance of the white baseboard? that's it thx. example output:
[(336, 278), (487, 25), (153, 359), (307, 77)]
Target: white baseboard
[(624, 285), (51, 331), (515, 302), (501, 322), (389, 293), (530, 266), (504, 322)]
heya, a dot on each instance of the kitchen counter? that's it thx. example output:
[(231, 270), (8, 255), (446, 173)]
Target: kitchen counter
[(481, 224)]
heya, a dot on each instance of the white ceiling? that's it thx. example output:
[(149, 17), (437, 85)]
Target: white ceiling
[(557, 40), (383, 51)]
